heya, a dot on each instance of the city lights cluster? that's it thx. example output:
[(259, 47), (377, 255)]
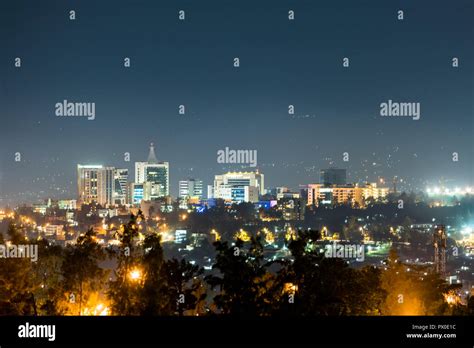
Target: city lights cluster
[(442, 191)]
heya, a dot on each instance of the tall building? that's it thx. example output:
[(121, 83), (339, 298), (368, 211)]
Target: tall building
[(137, 193), (106, 186), (121, 186), (190, 188), (87, 183), (96, 183), (332, 176), (154, 172), (190, 192), (238, 187)]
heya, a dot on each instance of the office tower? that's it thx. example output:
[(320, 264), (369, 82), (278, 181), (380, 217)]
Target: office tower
[(106, 186), (158, 176), (137, 193), (95, 183), (332, 176), (190, 188), (154, 172), (190, 192), (239, 187), (121, 186), (87, 185)]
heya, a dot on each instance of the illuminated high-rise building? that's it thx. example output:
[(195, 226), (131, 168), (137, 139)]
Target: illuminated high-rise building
[(139, 192), (190, 191), (87, 183), (153, 172), (121, 186), (190, 188), (239, 187), (95, 183), (106, 186)]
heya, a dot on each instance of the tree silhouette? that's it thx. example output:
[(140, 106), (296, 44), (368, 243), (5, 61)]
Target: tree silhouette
[(153, 299), (183, 284), (47, 275), (81, 271), (16, 286), (242, 278), (123, 293), (324, 286)]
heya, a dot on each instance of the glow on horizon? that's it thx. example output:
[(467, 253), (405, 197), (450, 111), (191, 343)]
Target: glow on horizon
[(435, 191)]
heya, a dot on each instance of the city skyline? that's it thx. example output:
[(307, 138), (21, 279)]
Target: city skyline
[(193, 165), (187, 63), (318, 179), (110, 186)]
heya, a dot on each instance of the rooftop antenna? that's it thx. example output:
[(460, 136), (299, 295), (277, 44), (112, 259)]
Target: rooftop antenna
[(151, 154)]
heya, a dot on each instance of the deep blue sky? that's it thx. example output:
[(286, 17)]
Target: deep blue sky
[(282, 62)]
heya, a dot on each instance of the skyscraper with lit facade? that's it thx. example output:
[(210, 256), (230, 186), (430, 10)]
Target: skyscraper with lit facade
[(190, 191), (239, 187), (121, 186), (154, 172), (190, 188), (95, 183), (106, 186), (87, 183)]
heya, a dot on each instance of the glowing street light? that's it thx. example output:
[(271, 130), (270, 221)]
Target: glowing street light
[(135, 275)]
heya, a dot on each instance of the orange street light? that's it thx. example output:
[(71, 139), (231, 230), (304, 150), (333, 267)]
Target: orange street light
[(135, 275)]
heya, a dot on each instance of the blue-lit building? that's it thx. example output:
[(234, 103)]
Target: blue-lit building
[(138, 193)]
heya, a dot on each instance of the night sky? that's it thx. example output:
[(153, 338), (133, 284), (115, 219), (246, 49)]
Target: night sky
[(190, 62)]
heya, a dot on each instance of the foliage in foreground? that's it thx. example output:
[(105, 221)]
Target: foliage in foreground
[(72, 281)]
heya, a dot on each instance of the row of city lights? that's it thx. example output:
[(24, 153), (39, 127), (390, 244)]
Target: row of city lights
[(448, 192)]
